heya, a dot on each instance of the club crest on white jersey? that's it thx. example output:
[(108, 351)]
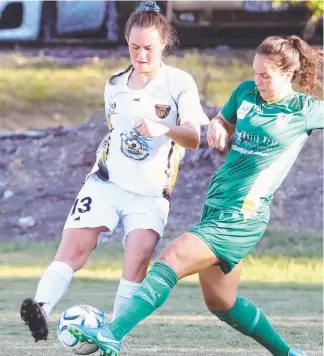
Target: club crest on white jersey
[(135, 146), (162, 111)]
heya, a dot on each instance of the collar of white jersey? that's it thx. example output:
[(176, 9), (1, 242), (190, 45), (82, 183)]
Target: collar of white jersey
[(128, 74)]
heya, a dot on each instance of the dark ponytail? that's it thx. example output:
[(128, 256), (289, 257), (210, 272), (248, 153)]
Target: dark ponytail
[(112, 79), (295, 55), (311, 64)]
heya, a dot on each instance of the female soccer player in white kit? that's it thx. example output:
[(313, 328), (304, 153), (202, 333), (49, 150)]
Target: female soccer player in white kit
[(153, 113)]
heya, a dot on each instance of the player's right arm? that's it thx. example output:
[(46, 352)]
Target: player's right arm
[(222, 127), (219, 130)]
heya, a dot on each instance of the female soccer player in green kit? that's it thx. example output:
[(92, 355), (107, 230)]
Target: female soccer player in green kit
[(269, 122)]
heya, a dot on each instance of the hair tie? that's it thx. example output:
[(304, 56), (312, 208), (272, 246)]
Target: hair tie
[(148, 6)]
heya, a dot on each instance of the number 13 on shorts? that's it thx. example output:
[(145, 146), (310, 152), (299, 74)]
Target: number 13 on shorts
[(81, 205)]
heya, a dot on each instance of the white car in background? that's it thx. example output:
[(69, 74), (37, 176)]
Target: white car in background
[(198, 23), (20, 20), (34, 20)]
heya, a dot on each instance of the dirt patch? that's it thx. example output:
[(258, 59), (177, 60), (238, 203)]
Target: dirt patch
[(42, 171)]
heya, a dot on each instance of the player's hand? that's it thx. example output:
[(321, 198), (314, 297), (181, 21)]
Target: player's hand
[(151, 128), (217, 135)]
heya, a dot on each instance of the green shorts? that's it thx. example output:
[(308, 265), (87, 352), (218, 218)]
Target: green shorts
[(228, 235)]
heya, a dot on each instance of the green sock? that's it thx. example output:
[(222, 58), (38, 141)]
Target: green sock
[(245, 317), (150, 295)]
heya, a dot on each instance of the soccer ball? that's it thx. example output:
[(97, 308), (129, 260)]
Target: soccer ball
[(81, 315)]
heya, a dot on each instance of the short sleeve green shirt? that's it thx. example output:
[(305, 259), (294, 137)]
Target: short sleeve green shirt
[(266, 143)]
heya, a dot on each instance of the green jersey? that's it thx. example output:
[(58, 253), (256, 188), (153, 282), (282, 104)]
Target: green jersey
[(266, 143)]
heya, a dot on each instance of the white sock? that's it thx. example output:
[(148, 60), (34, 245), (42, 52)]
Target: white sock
[(53, 285), (125, 291)]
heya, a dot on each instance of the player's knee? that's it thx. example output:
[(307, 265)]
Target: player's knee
[(143, 260), (176, 260), (74, 254), (146, 254), (74, 258), (215, 305), (173, 255)]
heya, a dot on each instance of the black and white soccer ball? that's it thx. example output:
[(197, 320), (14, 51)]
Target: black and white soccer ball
[(85, 315)]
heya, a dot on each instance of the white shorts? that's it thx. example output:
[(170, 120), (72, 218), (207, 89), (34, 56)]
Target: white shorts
[(101, 203)]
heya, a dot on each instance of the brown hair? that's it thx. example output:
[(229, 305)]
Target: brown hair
[(293, 54), (145, 19)]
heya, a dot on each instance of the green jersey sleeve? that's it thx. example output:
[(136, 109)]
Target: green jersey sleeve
[(229, 110), (315, 114)]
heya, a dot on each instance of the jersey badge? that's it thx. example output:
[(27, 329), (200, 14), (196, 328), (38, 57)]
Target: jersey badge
[(283, 120), (244, 109), (112, 107), (162, 111)]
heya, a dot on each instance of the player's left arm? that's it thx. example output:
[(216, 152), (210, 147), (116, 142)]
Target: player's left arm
[(315, 114), (191, 115), (186, 135), (186, 132)]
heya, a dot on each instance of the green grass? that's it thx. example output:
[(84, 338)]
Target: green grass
[(181, 327), (273, 269), (41, 92), (282, 257), (283, 275)]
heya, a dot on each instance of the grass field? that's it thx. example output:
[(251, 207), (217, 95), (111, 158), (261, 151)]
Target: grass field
[(41, 92), (284, 275), (288, 286)]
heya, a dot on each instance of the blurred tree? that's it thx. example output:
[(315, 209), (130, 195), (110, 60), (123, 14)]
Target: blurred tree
[(315, 8)]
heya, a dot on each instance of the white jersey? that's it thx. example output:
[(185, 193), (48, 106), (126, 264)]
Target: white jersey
[(148, 166)]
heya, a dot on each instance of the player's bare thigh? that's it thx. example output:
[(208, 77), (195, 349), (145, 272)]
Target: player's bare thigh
[(77, 244), (219, 289), (188, 254)]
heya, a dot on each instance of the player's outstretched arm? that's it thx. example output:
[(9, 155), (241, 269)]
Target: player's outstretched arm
[(187, 135)]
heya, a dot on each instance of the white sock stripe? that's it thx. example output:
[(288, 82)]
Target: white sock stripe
[(61, 268)]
